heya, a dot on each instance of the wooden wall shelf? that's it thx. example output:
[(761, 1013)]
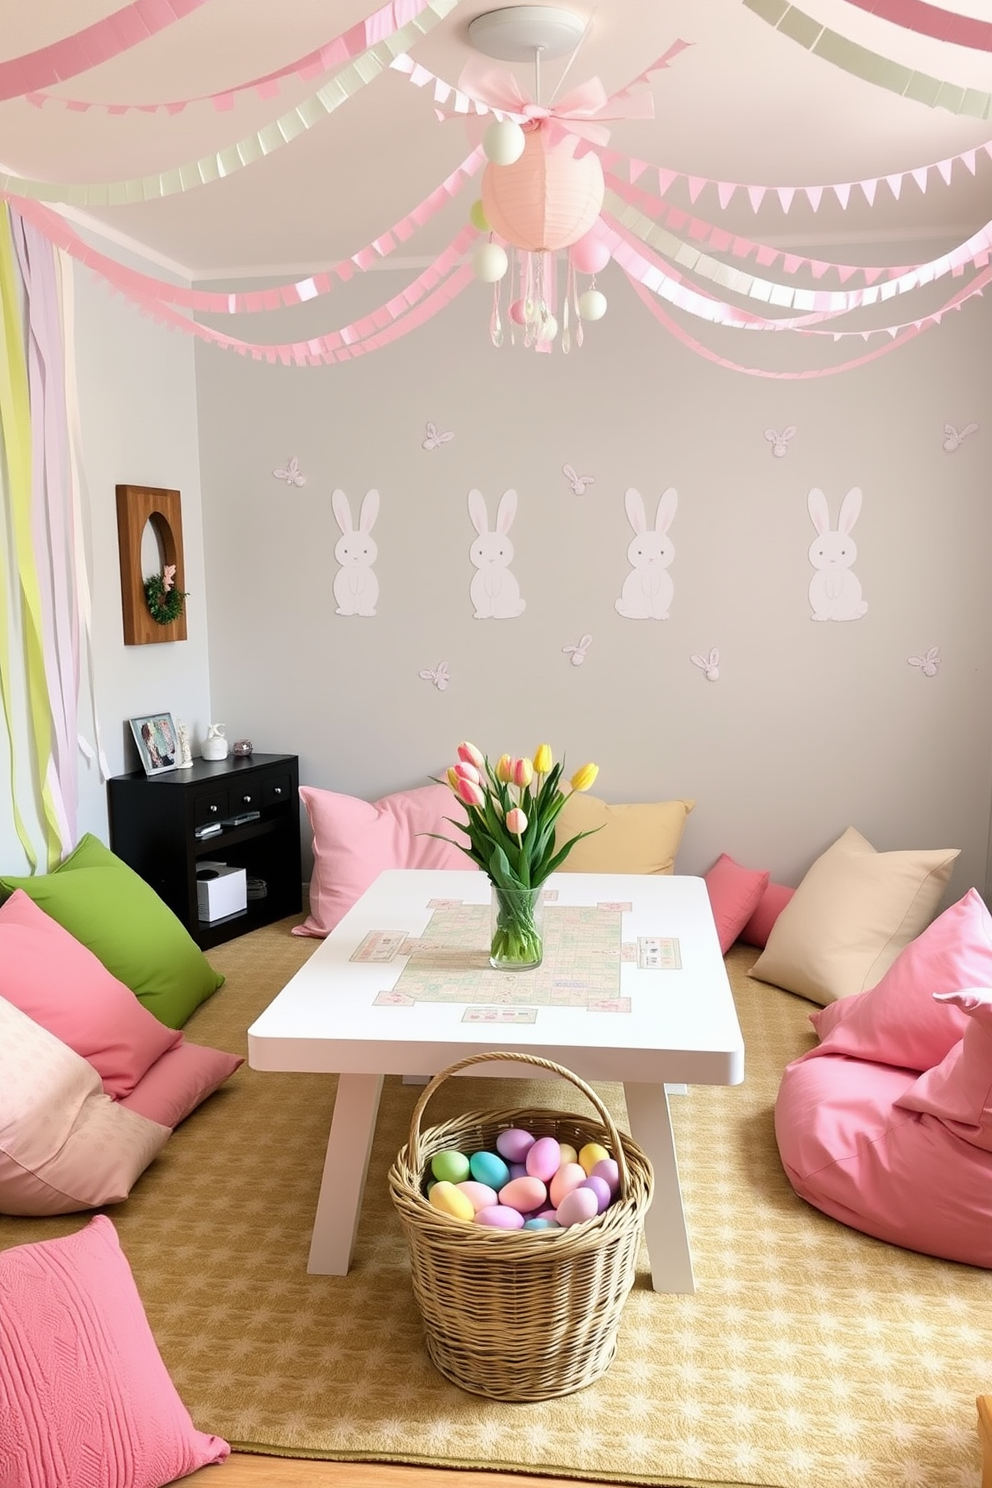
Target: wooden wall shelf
[(136, 507)]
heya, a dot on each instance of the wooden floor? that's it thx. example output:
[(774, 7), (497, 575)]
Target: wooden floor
[(286, 1472)]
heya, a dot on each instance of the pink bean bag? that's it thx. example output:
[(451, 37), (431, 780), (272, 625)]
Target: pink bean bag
[(903, 1156)]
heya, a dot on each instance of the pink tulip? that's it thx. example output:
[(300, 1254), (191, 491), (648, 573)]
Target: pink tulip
[(468, 772), (516, 821), (523, 772), (471, 755), (452, 777), (469, 792), (504, 768)]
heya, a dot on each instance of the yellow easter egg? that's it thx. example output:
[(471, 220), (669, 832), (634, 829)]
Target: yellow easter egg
[(477, 216), (568, 1154), (591, 1154), (450, 1200)]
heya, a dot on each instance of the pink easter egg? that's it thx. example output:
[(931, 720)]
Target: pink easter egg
[(479, 1195), (544, 1158), (514, 1144), (517, 312), (576, 1207), (568, 1176), (601, 1189), (546, 1211), (607, 1168), (499, 1217), (523, 1194)]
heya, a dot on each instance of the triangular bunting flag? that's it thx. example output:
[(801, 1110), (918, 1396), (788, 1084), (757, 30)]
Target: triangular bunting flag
[(844, 272), (895, 183), (791, 262), (843, 194), (814, 195), (785, 195), (756, 195), (818, 267), (868, 187), (765, 255), (920, 177), (665, 179), (696, 184), (725, 191), (945, 166), (871, 275), (637, 169), (969, 159)]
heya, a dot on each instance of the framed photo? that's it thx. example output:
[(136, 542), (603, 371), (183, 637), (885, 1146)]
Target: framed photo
[(158, 742)]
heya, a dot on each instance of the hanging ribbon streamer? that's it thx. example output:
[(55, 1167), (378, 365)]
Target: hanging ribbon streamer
[(254, 147), (342, 49), (92, 46), (861, 63), (928, 20), (213, 302)]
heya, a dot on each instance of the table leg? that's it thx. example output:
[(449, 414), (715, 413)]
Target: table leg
[(342, 1186), (664, 1224)]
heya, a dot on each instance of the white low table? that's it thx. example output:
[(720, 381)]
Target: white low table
[(633, 989)]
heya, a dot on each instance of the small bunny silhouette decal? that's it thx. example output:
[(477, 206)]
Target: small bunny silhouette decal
[(436, 438), (578, 483), (438, 675), (648, 588), (780, 442), (954, 437), (356, 588), (292, 475), (928, 662), (577, 654), (709, 665), (834, 591), (495, 592)]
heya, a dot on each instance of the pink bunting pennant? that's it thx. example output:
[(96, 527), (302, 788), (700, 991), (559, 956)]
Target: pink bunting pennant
[(929, 20), (665, 179), (895, 184), (785, 195), (756, 195), (637, 168), (920, 177), (944, 166), (868, 188), (695, 184), (843, 194), (813, 196), (968, 156), (725, 191)]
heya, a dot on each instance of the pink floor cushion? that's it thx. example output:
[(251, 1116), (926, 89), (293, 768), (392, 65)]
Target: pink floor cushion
[(770, 906), (851, 1148), (735, 892)]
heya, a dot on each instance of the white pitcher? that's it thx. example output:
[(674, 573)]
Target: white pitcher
[(215, 744)]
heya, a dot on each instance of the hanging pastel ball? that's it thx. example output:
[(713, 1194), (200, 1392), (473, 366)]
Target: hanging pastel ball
[(607, 1168), (503, 142), (576, 1207), (568, 1176), (524, 1194), (589, 254), (489, 262), (514, 1143), (601, 1189), (544, 1159), (477, 216), (500, 1217), (568, 1153), (479, 1195), (489, 1167), (451, 1166), (591, 1154), (450, 1200), (518, 312), (592, 304)]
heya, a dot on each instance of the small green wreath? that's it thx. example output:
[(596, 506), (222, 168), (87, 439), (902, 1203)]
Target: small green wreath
[(165, 602)]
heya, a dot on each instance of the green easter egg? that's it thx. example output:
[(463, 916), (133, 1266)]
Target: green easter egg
[(477, 216), (450, 1166)]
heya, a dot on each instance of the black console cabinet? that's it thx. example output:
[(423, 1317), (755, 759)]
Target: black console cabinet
[(154, 821)]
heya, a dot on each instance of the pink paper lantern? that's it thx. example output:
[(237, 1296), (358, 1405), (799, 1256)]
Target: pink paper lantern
[(547, 199)]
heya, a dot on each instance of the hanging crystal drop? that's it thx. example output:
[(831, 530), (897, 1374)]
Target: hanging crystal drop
[(495, 324), (566, 334)]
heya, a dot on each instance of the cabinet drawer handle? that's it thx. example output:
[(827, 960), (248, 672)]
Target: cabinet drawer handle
[(277, 790), (215, 809), (247, 800)]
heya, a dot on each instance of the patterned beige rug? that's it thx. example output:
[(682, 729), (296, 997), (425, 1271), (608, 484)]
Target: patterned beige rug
[(810, 1355)]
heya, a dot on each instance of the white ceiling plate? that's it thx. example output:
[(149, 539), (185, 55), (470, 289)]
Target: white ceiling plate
[(516, 32)]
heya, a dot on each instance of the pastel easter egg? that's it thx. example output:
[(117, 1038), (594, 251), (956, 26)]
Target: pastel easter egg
[(523, 1194), (480, 1195), (499, 1217), (514, 1144), (568, 1153), (576, 1207), (568, 1176), (451, 1166), (607, 1168), (518, 1170), (489, 1167), (601, 1189), (538, 1222), (591, 1154), (546, 1211), (450, 1200), (544, 1159)]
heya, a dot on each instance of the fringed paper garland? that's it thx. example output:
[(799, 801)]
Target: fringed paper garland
[(929, 20)]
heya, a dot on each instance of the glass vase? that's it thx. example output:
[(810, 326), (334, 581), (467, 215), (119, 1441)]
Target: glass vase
[(516, 928)]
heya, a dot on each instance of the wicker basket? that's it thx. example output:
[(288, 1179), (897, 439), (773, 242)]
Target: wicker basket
[(523, 1314)]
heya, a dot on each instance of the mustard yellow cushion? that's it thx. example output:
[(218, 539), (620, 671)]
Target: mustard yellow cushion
[(851, 916), (640, 838)]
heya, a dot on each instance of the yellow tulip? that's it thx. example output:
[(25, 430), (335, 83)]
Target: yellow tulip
[(583, 779), (504, 768), (543, 759)]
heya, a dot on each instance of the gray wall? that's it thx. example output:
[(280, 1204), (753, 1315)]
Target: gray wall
[(810, 727)]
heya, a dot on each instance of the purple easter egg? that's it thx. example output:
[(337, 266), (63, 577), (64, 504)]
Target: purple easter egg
[(523, 1194), (576, 1207), (514, 1144), (544, 1159), (607, 1168), (518, 1170), (499, 1217), (601, 1189)]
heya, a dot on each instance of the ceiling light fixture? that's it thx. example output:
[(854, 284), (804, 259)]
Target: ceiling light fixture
[(538, 195)]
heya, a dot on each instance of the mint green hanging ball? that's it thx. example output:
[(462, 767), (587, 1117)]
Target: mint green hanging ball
[(477, 216)]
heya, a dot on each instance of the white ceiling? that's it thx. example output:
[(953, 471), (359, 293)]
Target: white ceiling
[(741, 103)]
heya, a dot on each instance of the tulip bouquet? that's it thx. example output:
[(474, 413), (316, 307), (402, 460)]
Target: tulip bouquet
[(512, 808)]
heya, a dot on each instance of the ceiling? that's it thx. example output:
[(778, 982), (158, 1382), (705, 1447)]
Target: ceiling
[(741, 103)]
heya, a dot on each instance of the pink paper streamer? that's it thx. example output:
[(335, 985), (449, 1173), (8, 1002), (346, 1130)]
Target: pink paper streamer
[(335, 53), (928, 20), (91, 46)]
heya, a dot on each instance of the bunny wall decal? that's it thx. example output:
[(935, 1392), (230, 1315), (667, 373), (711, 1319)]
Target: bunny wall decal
[(834, 591), (495, 592), (356, 588), (648, 589)]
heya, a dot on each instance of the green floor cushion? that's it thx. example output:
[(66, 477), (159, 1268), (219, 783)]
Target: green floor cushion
[(106, 906)]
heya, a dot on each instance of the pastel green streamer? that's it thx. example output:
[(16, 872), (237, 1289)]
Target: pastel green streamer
[(15, 422), (861, 63), (178, 179)]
